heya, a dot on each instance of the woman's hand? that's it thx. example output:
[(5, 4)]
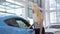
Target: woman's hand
[(29, 26)]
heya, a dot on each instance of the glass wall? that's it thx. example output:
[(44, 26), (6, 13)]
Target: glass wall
[(11, 7), (57, 9), (52, 7)]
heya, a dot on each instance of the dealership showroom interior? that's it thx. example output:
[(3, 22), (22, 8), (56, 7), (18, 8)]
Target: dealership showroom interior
[(29, 16)]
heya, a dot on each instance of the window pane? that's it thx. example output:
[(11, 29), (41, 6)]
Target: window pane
[(53, 5), (58, 4), (58, 16), (53, 17), (30, 13)]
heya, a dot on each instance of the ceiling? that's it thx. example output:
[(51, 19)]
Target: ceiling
[(29, 2), (12, 5), (9, 5)]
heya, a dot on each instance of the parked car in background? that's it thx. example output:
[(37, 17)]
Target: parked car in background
[(54, 28)]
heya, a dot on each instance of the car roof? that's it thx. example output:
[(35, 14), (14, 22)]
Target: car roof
[(6, 17), (10, 16)]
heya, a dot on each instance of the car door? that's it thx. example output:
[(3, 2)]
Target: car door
[(19, 26)]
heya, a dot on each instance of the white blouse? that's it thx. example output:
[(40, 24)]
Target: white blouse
[(36, 24)]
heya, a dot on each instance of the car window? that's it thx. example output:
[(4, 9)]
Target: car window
[(12, 22), (21, 24), (16, 23)]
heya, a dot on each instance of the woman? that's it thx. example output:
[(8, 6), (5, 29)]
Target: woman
[(38, 20)]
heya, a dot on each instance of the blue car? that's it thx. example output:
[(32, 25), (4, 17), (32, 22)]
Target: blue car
[(14, 25)]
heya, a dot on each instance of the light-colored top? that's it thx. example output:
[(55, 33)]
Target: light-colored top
[(36, 24)]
